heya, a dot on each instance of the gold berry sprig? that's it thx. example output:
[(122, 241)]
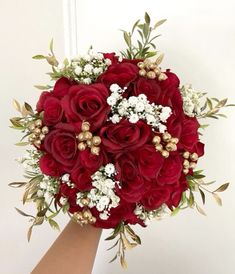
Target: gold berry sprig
[(165, 144), (38, 132), (190, 161), (86, 139)]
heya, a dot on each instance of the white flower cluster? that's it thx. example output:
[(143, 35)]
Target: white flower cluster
[(191, 100), (137, 108), (102, 195), (148, 216), (48, 186), (87, 68)]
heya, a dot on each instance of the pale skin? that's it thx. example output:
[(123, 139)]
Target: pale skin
[(73, 252)]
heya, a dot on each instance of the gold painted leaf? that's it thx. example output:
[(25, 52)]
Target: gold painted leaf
[(29, 233), (159, 59), (23, 213), (200, 210), (54, 224), (17, 184), (222, 188), (16, 105), (123, 262), (217, 199)]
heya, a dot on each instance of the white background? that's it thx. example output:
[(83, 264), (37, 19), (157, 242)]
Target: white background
[(198, 41)]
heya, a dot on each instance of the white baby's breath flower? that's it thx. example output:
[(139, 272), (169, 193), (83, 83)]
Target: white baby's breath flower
[(115, 119), (104, 216), (88, 68), (104, 200), (142, 97), (87, 57), (134, 118), (139, 107), (100, 207), (87, 81), (40, 193), (111, 100), (97, 70), (65, 177), (108, 62), (162, 128), (132, 100), (115, 88), (78, 70), (109, 169)]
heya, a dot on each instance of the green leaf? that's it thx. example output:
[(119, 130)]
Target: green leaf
[(114, 258), (29, 233), (39, 57), (54, 224), (51, 45), (17, 184), (175, 211), (16, 105), (23, 213), (209, 103), (42, 212), (127, 38), (222, 188), (21, 144), (135, 25), (202, 195), (159, 23), (113, 245), (28, 108), (41, 87), (147, 18)]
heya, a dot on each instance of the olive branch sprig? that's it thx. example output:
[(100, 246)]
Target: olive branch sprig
[(125, 238), (145, 47)]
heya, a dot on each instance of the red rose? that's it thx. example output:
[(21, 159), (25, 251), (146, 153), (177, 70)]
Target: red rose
[(49, 166), (62, 87), (81, 177), (132, 183), (87, 102), (53, 112), (199, 149), (176, 192), (164, 93), (92, 162), (121, 74), (149, 162), (62, 146), (112, 57), (42, 99), (155, 197), (125, 136), (171, 170), (189, 134)]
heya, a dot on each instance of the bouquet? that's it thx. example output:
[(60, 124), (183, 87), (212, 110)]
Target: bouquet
[(115, 140)]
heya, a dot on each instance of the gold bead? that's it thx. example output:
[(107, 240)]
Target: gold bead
[(175, 140), (186, 163), (85, 126), (81, 146), (95, 150), (141, 65), (162, 77), (185, 170), (186, 154), (166, 136), (192, 165), (30, 139), (37, 143), (87, 214), (45, 130), (38, 123), (171, 147), (153, 66), (87, 135), (165, 153), (78, 216), (147, 63), (157, 71), (85, 222), (85, 201), (159, 147), (151, 74), (81, 136), (156, 140), (194, 156), (32, 127), (33, 136), (93, 220), (42, 136), (142, 72), (89, 143), (96, 140), (37, 131)]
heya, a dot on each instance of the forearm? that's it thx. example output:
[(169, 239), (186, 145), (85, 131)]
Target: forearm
[(73, 252)]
